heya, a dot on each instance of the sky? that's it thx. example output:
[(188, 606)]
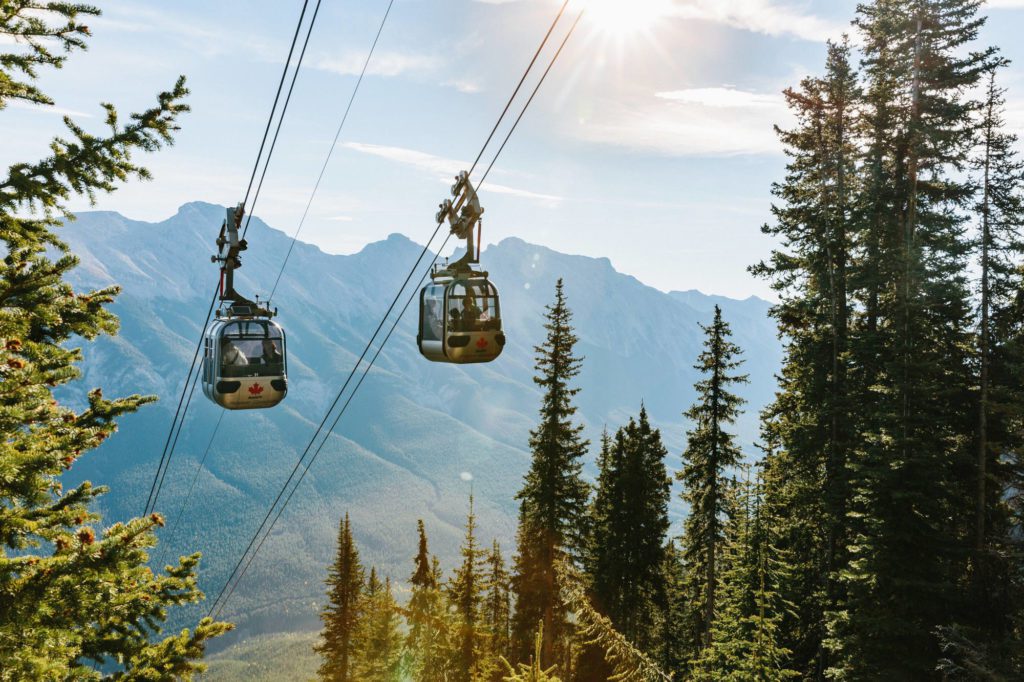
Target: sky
[(651, 142)]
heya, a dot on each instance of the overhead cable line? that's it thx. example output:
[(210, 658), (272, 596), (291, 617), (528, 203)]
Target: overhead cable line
[(179, 413), (240, 570), (316, 186), (334, 143)]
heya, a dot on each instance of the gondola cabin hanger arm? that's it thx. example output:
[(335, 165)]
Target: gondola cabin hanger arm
[(460, 313)]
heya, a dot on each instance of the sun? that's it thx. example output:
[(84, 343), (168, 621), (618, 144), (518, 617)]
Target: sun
[(623, 18)]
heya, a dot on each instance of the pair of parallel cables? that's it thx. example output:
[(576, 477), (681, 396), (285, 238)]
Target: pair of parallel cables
[(296, 477)]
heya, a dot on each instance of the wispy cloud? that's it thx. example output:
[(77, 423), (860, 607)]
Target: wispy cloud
[(387, 64), (462, 85), (716, 121), (761, 16), (444, 168), (47, 109), (1005, 4)]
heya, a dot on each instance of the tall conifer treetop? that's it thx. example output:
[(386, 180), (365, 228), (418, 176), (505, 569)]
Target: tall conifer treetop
[(554, 496), (70, 596)]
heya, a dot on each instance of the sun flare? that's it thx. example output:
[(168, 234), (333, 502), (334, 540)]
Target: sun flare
[(623, 18)]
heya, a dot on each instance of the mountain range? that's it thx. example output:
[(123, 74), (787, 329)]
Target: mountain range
[(417, 438)]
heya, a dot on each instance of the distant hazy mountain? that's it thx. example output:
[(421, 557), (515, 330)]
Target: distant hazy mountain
[(414, 430)]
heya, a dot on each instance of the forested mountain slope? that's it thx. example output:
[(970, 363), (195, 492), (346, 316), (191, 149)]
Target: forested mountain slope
[(415, 429)]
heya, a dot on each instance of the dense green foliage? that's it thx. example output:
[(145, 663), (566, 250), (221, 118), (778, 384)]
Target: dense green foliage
[(554, 496), (344, 610), (72, 597)]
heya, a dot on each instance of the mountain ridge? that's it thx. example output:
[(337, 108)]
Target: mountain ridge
[(415, 428)]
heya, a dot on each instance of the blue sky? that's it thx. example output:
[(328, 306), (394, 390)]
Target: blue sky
[(650, 143)]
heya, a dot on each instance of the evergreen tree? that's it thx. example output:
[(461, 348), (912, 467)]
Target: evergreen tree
[(429, 629), (745, 639), (911, 478), (554, 495), (710, 452), (72, 597), (343, 612), (497, 608), (629, 524), (377, 651), (813, 419), (675, 644), (466, 592), (996, 593)]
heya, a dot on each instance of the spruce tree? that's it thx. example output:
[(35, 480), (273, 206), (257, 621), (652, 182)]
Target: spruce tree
[(710, 453), (377, 650), (554, 496), (72, 597), (497, 609), (995, 586), (427, 656), (911, 481), (466, 592), (629, 525), (675, 649), (746, 634), (343, 612), (817, 216)]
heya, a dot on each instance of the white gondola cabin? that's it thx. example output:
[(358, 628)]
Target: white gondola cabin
[(460, 320), (244, 363)]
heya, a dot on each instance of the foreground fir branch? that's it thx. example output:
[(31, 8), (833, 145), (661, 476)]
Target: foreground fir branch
[(73, 596), (629, 663)]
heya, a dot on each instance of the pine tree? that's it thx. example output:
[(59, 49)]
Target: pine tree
[(465, 592), (554, 495), (911, 479), (429, 628), (497, 609), (710, 452), (73, 597), (746, 634), (377, 650), (629, 525), (996, 592), (817, 219), (675, 644), (343, 612)]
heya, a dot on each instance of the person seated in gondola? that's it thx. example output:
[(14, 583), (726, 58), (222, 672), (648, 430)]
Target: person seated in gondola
[(470, 313), (231, 356), (271, 355), (456, 319)]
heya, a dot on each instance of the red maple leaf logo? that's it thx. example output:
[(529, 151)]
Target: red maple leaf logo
[(481, 343), (255, 390)]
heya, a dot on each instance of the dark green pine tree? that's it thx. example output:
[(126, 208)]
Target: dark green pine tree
[(73, 596), (629, 526), (377, 654), (813, 419), (343, 612), (996, 585), (747, 631), (497, 610), (676, 648), (466, 593), (427, 655), (554, 496), (912, 479), (710, 453)]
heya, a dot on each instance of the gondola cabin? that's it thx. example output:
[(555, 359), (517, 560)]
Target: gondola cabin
[(244, 363), (460, 321)]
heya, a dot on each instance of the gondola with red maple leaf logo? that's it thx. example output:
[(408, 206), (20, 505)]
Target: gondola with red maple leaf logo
[(244, 361), (460, 317)]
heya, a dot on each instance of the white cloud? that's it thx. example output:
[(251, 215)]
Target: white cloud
[(717, 121), (440, 166), (1005, 4), (47, 109), (387, 64), (466, 86), (761, 16), (340, 218)]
